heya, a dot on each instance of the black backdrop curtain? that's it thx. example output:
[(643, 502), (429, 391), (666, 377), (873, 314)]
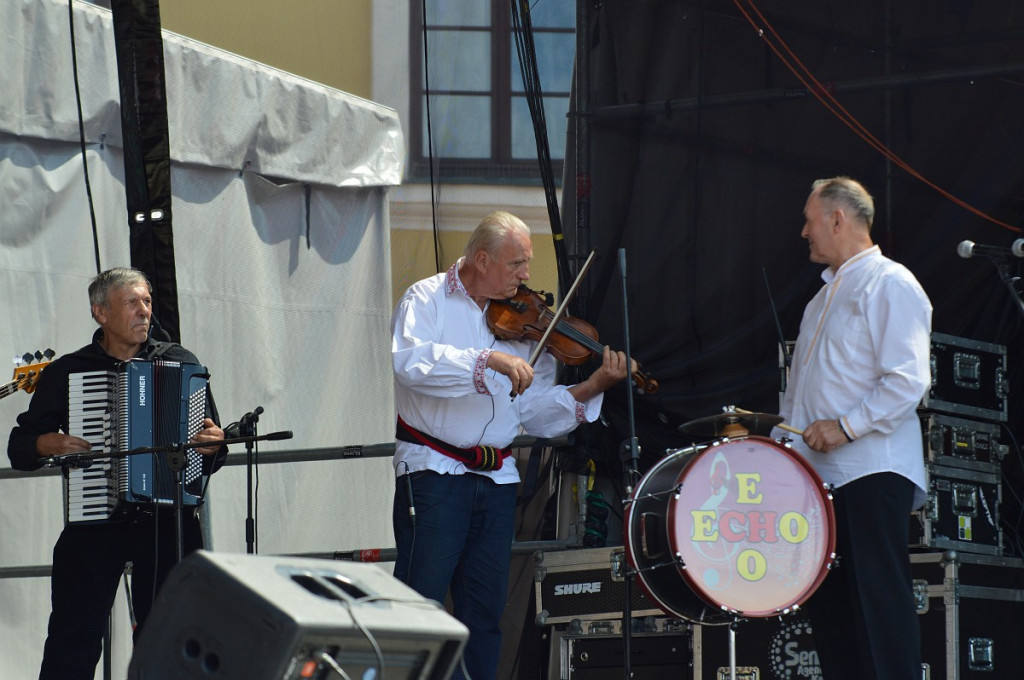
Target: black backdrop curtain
[(703, 149)]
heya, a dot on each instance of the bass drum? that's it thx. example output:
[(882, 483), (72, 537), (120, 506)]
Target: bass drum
[(737, 528)]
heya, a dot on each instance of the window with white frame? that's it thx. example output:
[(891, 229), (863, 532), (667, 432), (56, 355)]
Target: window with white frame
[(475, 122)]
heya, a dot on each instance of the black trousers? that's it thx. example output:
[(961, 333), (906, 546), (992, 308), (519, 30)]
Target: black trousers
[(88, 562), (863, 615)]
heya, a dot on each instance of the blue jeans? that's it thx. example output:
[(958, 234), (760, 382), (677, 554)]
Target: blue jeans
[(462, 540)]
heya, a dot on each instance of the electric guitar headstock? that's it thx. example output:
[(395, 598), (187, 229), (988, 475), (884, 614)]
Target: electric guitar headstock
[(27, 368)]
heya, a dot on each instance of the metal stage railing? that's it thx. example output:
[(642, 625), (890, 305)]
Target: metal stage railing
[(353, 452)]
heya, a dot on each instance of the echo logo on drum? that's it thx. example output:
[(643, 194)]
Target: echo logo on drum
[(751, 526), (746, 523), (578, 588)]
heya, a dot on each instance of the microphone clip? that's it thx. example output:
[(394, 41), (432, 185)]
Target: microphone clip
[(244, 426)]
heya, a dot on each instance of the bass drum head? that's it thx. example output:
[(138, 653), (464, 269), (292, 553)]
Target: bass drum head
[(745, 524), (754, 526)]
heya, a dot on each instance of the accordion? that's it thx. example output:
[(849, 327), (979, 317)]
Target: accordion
[(139, 405)]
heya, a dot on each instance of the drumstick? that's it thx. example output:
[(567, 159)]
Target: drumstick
[(781, 426), (790, 428)]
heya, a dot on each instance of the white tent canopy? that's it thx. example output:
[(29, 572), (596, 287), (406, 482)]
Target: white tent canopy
[(281, 236)]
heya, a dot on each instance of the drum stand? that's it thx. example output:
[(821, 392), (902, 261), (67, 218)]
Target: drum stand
[(732, 648)]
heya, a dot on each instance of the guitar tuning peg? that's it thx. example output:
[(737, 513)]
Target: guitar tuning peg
[(49, 353), (16, 360), (38, 355), (27, 357)]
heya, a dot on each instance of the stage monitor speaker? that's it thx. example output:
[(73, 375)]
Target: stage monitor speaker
[(223, 616)]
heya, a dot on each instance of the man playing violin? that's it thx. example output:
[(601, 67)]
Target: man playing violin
[(454, 506)]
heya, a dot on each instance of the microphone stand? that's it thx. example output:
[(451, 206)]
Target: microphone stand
[(1003, 267), (177, 459), (629, 453), (787, 358), (247, 428)]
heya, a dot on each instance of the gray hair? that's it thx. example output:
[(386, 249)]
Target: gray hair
[(849, 194), (118, 277), (492, 231)]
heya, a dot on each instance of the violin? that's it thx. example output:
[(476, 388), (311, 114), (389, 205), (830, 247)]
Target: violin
[(526, 316)]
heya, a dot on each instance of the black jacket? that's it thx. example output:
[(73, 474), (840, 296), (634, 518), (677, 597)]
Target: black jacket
[(48, 410)]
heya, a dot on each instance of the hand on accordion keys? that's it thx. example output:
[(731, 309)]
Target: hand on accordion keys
[(210, 433), (58, 443)]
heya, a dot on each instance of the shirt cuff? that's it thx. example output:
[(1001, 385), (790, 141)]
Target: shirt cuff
[(846, 428), (480, 372), (586, 411)]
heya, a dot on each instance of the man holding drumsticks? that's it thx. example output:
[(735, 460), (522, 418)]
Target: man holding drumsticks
[(860, 369)]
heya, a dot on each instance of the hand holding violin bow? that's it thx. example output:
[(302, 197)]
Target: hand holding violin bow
[(515, 368)]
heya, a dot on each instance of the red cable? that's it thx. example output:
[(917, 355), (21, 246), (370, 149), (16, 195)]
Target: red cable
[(832, 104)]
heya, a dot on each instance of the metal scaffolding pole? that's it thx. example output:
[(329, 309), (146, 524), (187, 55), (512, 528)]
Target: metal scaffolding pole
[(670, 106), (582, 116)]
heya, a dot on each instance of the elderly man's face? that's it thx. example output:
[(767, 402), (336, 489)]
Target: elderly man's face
[(125, 317), (508, 268), (820, 230)]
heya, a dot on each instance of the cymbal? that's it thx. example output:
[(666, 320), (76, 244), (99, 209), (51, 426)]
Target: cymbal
[(731, 424)]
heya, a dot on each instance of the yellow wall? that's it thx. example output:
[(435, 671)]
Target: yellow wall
[(323, 40), (329, 41), (412, 258)]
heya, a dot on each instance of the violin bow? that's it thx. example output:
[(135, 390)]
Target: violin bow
[(560, 312)]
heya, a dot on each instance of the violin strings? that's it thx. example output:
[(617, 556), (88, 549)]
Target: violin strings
[(574, 333)]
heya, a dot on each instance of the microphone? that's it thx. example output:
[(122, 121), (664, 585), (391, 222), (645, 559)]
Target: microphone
[(234, 430), (412, 505), (968, 249), (408, 491), (72, 460), (252, 416)]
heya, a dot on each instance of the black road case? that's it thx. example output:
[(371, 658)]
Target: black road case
[(972, 615), (969, 378), (961, 512)]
